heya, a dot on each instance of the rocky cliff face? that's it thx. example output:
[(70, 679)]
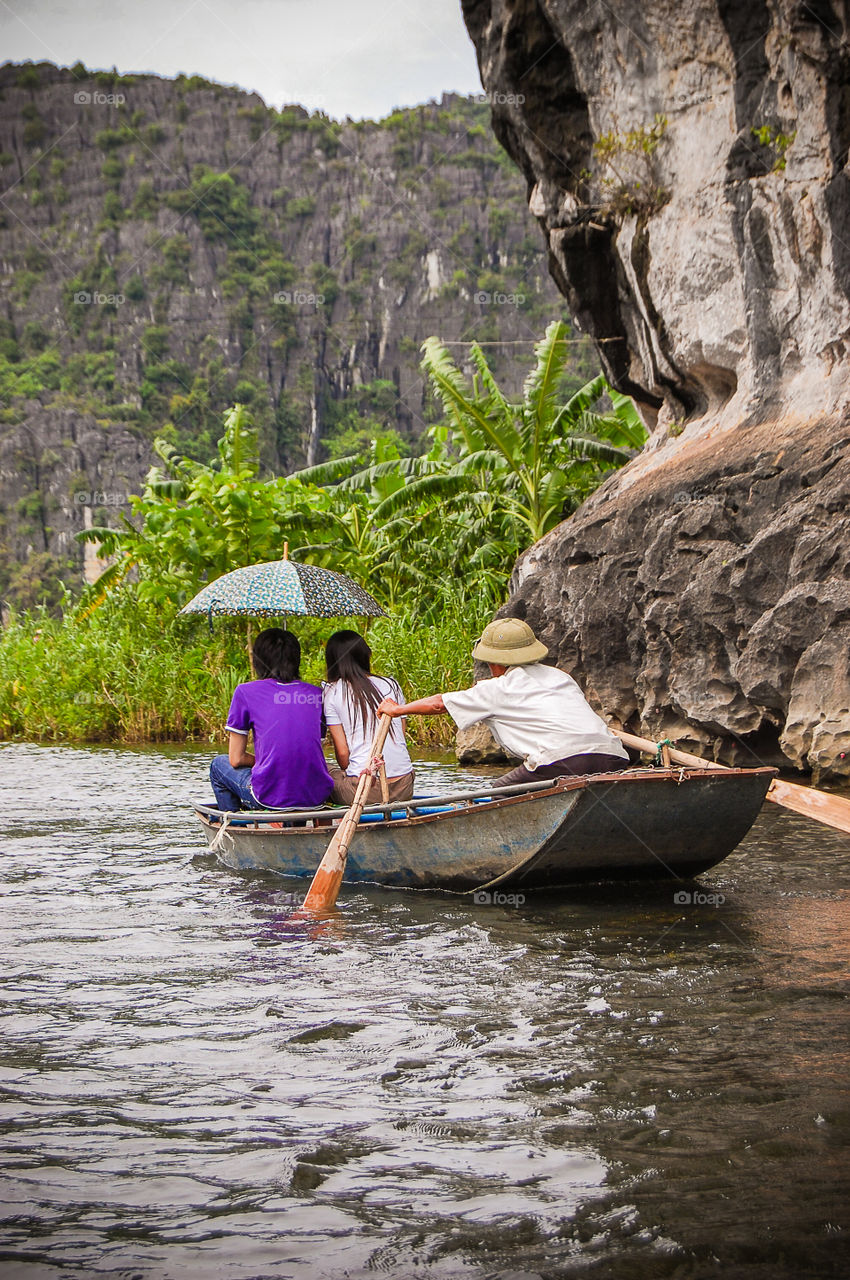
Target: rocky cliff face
[(167, 247), (687, 160)]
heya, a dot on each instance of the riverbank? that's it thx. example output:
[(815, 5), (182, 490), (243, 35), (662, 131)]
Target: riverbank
[(128, 674)]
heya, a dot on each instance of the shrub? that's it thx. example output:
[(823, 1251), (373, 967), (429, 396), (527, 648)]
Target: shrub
[(145, 202), (112, 171)]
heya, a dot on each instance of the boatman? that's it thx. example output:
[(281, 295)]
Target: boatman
[(535, 712)]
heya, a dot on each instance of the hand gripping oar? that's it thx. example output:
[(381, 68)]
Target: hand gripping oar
[(322, 893), (834, 811)]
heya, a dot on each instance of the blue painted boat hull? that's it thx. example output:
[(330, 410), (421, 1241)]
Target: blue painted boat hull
[(652, 823)]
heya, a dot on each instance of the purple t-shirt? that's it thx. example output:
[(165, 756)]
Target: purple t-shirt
[(289, 768)]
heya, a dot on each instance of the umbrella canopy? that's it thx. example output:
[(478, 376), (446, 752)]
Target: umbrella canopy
[(284, 588)]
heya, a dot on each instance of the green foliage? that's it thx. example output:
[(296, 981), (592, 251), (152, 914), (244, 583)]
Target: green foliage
[(28, 379), (28, 77), (34, 337), (172, 267), (35, 259), (288, 122), (221, 204), (111, 139), (37, 583), (531, 462), (112, 171), (113, 209), (434, 538), (194, 522), (35, 131), (629, 175), (301, 207), (776, 140), (153, 135), (258, 117), (192, 84), (155, 341), (145, 202), (134, 288), (89, 370), (129, 673)]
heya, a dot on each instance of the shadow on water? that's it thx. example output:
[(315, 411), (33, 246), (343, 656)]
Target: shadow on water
[(613, 1082)]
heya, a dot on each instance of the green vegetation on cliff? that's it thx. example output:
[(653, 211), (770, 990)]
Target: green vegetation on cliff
[(433, 537), (176, 246)]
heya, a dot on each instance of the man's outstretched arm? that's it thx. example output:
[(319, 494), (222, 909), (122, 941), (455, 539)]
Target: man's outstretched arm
[(432, 706)]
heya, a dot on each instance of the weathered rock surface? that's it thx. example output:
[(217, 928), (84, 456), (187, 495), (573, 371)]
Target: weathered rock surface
[(711, 599), (687, 160), (476, 745)]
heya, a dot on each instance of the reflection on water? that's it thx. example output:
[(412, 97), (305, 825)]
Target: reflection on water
[(606, 1084)]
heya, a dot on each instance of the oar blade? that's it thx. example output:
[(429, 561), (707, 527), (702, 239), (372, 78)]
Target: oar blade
[(324, 889), (820, 805)]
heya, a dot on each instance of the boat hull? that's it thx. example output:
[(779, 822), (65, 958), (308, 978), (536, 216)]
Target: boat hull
[(657, 823)]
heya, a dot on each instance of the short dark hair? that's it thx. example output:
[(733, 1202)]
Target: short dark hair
[(276, 655)]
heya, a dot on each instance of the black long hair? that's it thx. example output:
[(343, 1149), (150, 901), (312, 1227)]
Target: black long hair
[(348, 658), (276, 655)]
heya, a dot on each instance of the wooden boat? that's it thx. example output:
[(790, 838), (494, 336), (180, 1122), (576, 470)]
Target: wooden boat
[(641, 823)]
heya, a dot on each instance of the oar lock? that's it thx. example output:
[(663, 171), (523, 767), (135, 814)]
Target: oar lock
[(662, 752)]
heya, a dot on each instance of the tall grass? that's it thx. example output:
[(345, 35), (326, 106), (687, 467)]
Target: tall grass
[(129, 674)]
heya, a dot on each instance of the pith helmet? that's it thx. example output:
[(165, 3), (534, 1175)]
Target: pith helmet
[(510, 642)]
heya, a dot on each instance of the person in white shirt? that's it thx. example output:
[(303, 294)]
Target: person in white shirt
[(534, 711), (349, 700)]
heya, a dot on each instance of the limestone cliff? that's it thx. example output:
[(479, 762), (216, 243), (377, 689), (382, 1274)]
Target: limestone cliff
[(687, 161), (169, 246)]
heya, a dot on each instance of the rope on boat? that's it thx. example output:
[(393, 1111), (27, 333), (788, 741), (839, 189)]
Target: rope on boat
[(222, 834)]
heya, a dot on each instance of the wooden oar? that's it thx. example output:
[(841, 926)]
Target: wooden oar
[(322, 893), (834, 811)]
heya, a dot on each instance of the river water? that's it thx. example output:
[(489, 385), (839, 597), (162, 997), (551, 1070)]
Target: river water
[(604, 1084)]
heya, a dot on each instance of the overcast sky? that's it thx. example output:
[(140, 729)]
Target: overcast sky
[(346, 57)]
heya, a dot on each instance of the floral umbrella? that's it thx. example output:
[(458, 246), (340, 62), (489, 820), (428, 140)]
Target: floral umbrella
[(284, 588)]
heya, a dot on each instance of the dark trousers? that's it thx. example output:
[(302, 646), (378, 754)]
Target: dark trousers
[(592, 762)]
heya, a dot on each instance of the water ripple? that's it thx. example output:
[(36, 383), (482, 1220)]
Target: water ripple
[(604, 1084)]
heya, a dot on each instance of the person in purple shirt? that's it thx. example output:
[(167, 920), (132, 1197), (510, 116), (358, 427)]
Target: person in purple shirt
[(287, 768)]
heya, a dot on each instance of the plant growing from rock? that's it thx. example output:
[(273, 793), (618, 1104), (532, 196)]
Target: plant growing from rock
[(630, 177), (776, 141)]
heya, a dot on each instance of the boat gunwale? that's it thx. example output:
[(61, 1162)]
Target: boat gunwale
[(253, 822)]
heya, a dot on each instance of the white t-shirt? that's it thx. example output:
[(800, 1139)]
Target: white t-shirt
[(339, 709), (537, 713)]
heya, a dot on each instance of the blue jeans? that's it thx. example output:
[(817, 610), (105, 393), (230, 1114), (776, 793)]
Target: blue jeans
[(232, 787)]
